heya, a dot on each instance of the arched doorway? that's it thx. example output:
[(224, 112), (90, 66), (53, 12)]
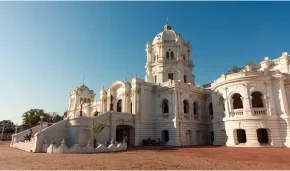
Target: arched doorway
[(165, 135), (198, 137), (189, 137), (241, 136), (211, 137), (84, 136), (125, 131), (262, 135), (119, 106)]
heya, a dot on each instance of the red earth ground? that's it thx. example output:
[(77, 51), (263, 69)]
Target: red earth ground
[(151, 158)]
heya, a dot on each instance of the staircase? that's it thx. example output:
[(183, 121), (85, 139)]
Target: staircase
[(26, 146)]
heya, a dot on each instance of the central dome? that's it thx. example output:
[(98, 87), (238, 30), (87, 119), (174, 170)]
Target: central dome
[(167, 35)]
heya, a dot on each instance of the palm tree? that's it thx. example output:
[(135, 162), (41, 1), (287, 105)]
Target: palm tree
[(97, 129)]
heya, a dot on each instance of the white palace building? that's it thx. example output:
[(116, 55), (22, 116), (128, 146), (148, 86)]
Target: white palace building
[(247, 107)]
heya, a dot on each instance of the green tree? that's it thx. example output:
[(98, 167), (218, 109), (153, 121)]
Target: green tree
[(97, 129), (32, 117), (56, 118)]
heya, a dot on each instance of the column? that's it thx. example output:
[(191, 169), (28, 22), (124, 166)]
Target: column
[(271, 103), (284, 106), (124, 102), (227, 104), (247, 105), (176, 104)]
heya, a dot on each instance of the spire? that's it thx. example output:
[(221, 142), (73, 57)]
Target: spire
[(83, 80), (167, 26)]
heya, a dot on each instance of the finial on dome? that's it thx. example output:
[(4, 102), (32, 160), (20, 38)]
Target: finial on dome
[(167, 26)]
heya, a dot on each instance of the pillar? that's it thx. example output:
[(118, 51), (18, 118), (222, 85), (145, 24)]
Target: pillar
[(246, 100), (284, 106)]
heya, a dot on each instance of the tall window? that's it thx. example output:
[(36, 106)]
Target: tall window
[(185, 79), (183, 57), (185, 106), (165, 106), (210, 109), (155, 79), (131, 107), (172, 55), (195, 108), (167, 55), (119, 106), (170, 76)]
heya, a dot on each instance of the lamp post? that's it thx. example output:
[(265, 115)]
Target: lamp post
[(16, 128), (41, 118)]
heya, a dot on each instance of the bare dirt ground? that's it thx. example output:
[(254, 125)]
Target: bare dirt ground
[(151, 158)]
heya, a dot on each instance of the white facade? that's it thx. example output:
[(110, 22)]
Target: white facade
[(248, 108), (168, 100)]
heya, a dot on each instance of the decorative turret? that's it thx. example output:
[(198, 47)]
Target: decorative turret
[(81, 95), (169, 58)]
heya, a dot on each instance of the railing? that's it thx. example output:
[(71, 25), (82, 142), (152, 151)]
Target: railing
[(237, 112), (259, 111)]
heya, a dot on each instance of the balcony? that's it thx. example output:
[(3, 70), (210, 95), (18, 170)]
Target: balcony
[(259, 112), (254, 112), (237, 113)]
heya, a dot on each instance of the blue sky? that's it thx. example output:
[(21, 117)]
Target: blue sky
[(47, 47)]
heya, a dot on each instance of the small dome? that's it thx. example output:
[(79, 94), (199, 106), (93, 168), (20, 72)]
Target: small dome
[(167, 27), (83, 88), (167, 35)]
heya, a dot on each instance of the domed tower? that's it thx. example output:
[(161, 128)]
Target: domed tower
[(169, 58), (81, 95)]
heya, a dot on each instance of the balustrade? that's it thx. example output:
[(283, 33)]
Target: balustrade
[(259, 111), (255, 112)]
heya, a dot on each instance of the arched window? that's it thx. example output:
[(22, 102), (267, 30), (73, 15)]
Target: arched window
[(89, 100), (185, 106), (165, 135), (82, 100), (210, 109), (119, 106), (183, 57), (85, 100), (195, 108), (172, 55), (237, 101), (167, 55), (185, 78), (257, 100), (131, 107), (165, 106), (111, 102)]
